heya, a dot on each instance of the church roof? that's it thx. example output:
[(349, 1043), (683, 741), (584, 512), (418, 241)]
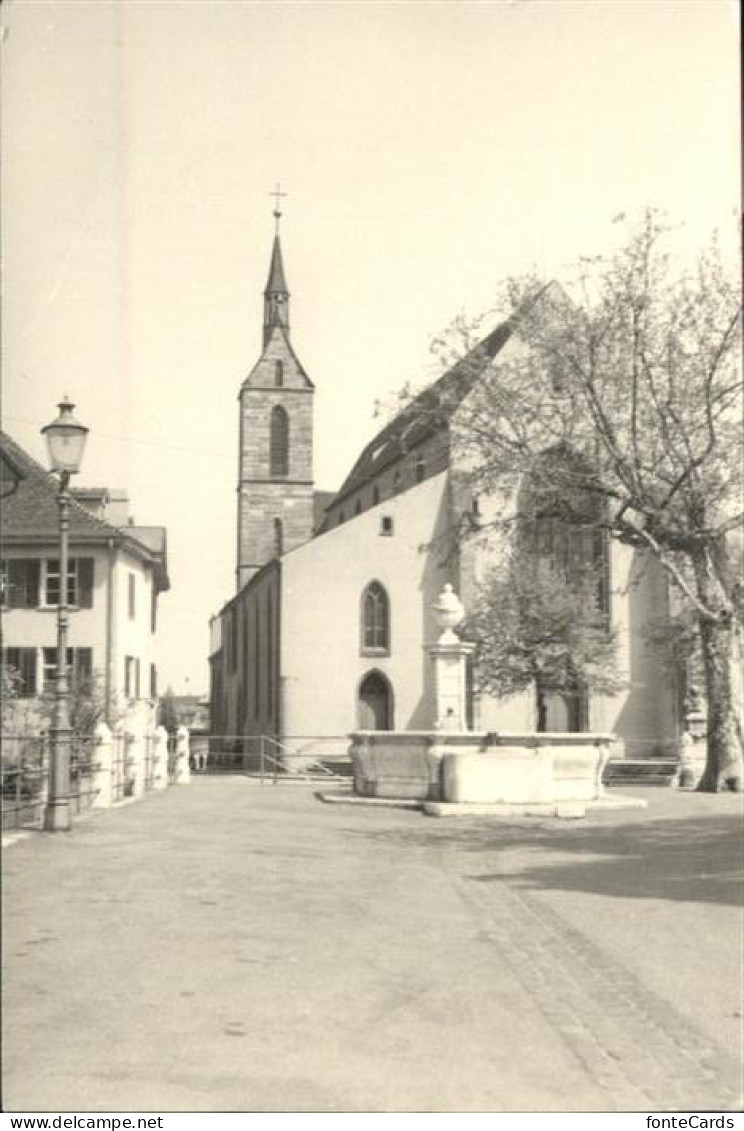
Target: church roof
[(276, 283), (427, 414), (31, 514)]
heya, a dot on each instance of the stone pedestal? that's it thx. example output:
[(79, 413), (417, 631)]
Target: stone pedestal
[(449, 656), (183, 769), (160, 758), (103, 756)]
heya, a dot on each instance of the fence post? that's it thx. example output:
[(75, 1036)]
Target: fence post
[(183, 770), (160, 758), (127, 768), (102, 757), (137, 754)]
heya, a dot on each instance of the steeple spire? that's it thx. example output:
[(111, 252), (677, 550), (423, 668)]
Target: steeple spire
[(276, 295)]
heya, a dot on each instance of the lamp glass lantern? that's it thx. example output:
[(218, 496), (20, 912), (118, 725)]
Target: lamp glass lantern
[(65, 438)]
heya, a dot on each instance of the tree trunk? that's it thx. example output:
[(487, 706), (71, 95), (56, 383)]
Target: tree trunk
[(723, 769)]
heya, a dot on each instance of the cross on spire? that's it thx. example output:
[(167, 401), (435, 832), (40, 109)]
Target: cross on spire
[(277, 194)]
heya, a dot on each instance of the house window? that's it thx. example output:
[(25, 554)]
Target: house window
[(396, 481), (375, 495), (375, 619), (279, 443), (79, 582), (420, 469), (387, 525), (358, 506), (341, 517), (22, 663), (52, 582), (131, 677), (79, 665), (132, 596), (153, 681), (278, 374)]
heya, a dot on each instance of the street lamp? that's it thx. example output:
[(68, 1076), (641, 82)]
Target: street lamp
[(65, 443)]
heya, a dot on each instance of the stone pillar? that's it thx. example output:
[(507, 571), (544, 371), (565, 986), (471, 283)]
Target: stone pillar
[(103, 756), (692, 751), (136, 750), (160, 758), (183, 770), (127, 768), (449, 656)]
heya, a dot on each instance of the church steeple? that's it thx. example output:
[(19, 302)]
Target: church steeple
[(275, 477), (276, 295)]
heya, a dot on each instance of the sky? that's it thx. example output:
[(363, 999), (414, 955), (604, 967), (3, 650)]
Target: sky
[(428, 150)]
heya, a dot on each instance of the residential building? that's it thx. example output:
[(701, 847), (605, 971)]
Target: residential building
[(117, 573)]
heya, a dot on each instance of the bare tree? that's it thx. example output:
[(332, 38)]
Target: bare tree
[(635, 368)]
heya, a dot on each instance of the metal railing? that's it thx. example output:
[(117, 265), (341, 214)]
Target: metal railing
[(292, 757), (24, 775), (84, 765), (122, 763)]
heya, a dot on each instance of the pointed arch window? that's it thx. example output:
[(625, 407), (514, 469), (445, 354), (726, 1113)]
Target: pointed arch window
[(278, 538), (375, 620), (279, 443)]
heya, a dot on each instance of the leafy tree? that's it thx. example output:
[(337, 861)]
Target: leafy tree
[(10, 691), (88, 706), (635, 366), (168, 715), (532, 626)]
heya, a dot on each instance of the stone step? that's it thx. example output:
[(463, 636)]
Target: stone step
[(640, 771)]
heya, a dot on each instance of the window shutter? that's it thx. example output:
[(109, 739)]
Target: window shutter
[(28, 670), (23, 661), (82, 666), (33, 573), (153, 682), (85, 583), (137, 678), (23, 583)]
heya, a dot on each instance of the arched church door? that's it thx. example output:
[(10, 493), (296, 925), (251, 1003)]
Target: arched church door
[(375, 703), (561, 711)]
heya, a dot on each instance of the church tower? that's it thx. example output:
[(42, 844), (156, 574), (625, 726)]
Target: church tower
[(275, 484)]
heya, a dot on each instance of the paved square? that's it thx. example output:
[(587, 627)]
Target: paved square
[(227, 946)]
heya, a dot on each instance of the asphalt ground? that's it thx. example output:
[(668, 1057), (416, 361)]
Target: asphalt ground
[(227, 946)]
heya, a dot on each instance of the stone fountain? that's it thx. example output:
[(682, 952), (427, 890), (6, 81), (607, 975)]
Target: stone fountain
[(451, 770)]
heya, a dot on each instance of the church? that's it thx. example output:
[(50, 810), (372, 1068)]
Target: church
[(329, 629)]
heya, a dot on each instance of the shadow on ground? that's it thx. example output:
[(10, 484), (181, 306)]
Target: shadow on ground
[(692, 859)]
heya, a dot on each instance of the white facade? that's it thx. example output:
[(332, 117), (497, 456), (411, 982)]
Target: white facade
[(121, 640), (323, 582)]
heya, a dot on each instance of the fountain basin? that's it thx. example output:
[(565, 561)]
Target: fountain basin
[(479, 768)]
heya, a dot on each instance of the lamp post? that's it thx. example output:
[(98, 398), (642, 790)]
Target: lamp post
[(65, 443)]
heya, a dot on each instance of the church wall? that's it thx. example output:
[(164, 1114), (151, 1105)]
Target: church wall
[(644, 714), (245, 669), (323, 584)]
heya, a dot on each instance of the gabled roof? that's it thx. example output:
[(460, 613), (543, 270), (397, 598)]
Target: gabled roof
[(427, 414), (31, 514), (321, 500)]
